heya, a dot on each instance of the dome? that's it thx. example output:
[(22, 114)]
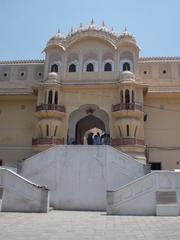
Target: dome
[(103, 27), (127, 76), (52, 77), (92, 25), (57, 36), (127, 35), (56, 39)]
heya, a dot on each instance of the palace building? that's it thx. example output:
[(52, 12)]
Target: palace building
[(92, 80)]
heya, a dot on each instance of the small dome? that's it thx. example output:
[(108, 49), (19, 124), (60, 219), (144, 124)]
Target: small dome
[(56, 39), (103, 27), (127, 35), (92, 25), (52, 77), (58, 36), (81, 28), (127, 76)]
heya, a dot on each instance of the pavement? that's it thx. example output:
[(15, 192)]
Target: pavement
[(78, 225)]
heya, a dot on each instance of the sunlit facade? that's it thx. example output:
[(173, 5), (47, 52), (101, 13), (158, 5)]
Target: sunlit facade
[(91, 80)]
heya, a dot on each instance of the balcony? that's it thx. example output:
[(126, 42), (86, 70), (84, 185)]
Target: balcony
[(127, 109), (41, 144), (127, 142), (50, 110)]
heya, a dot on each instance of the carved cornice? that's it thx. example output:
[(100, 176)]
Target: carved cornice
[(158, 59), (23, 61)]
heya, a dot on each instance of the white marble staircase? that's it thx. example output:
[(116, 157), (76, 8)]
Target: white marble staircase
[(157, 193), (18, 194)]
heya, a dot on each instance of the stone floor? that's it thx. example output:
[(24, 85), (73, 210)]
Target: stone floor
[(86, 225)]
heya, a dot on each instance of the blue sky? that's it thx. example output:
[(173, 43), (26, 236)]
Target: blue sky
[(26, 25)]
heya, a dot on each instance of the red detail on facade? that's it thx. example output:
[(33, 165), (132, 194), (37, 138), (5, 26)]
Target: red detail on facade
[(127, 141), (48, 141), (50, 107), (127, 106)]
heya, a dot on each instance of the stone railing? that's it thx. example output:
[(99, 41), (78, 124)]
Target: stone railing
[(127, 141), (127, 106), (49, 141), (22, 195), (50, 107), (141, 193)]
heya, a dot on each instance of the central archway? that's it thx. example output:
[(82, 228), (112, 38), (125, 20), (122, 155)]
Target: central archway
[(85, 124), (85, 118)]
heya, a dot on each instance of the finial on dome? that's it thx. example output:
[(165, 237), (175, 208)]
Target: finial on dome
[(112, 30), (127, 35), (80, 27), (103, 26), (92, 24)]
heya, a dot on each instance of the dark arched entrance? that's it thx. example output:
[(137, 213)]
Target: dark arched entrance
[(85, 124)]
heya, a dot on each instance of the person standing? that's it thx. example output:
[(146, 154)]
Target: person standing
[(97, 139), (90, 139)]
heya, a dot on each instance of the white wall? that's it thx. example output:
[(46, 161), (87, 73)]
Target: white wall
[(21, 195), (78, 176), (139, 196)]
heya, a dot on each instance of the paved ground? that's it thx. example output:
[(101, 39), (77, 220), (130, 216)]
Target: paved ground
[(86, 225)]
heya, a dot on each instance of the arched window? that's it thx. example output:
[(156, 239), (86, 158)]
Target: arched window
[(54, 68), (132, 96), (120, 134), (50, 97), (108, 67), (126, 66), (45, 97), (41, 132), (55, 130), (56, 98), (135, 131), (127, 97), (90, 67), (127, 130), (72, 68), (121, 96), (47, 130)]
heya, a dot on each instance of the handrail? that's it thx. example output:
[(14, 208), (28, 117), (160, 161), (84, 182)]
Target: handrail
[(118, 193), (127, 106), (127, 141), (51, 107), (50, 140)]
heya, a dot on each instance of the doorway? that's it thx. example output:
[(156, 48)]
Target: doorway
[(88, 124), (87, 118)]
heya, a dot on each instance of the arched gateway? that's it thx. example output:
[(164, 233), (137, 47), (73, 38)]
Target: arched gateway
[(87, 117)]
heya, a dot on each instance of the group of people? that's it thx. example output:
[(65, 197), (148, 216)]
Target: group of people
[(98, 139)]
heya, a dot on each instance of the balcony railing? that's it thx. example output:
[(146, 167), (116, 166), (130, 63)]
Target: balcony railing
[(127, 106), (126, 141), (48, 141), (50, 107)]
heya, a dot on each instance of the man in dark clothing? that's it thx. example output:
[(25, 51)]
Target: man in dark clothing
[(90, 139)]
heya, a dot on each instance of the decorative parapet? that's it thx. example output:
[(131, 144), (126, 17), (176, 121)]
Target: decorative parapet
[(159, 59), (127, 106), (47, 141), (50, 111), (22, 61), (50, 107), (127, 141)]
